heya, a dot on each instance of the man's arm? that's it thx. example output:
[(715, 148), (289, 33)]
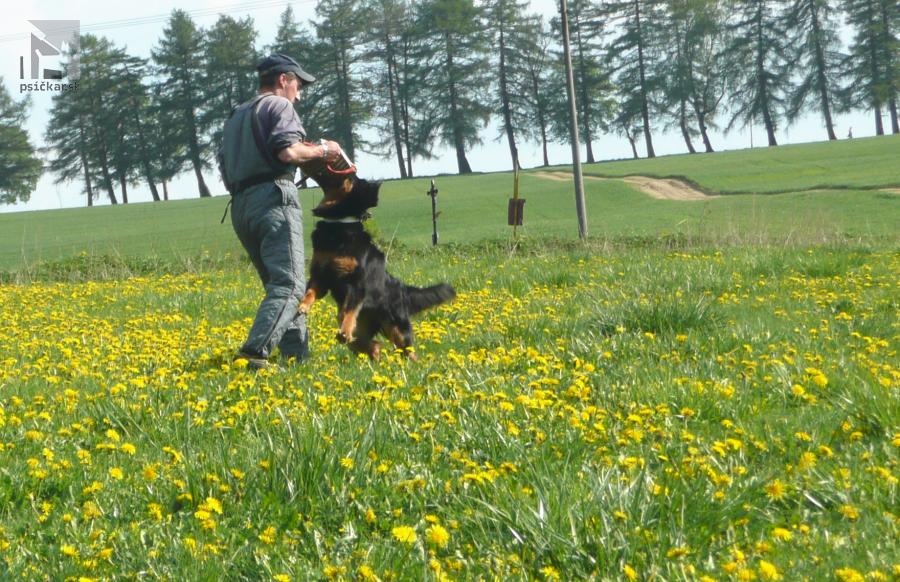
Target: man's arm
[(300, 152)]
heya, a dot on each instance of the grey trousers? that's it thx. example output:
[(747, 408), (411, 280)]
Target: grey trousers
[(268, 222)]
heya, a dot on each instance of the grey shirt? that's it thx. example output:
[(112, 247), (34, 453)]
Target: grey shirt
[(279, 123)]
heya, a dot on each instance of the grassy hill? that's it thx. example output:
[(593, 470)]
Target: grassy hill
[(473, 207)]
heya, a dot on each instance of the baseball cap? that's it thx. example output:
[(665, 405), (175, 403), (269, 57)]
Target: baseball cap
[(281, 63)]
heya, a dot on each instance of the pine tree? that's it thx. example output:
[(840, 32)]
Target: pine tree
[(345, 94), (231, 76), (391, 35), (593, 90), (458, 83), (873, 62), (20, 168), (512, 33), (692, 78), (756, 59), (813, 38), (539, 93), (180, 60)]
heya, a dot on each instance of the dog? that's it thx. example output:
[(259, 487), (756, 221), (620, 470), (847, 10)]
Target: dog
[(348, 264)]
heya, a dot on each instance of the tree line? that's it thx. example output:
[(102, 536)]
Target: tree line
[(398, 78)]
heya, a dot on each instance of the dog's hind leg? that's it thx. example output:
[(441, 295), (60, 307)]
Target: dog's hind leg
[(365, 332), (401, 336)]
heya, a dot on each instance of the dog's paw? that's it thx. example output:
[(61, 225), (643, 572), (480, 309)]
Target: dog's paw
[(303, 308), (343, 338)]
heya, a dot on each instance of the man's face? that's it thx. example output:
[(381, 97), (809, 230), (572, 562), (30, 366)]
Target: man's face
[(291, 85)]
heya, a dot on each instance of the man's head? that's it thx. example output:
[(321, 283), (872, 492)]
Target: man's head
[(283, 76)]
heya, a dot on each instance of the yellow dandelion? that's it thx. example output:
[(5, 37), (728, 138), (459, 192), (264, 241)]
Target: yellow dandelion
[(849, 511), (268, 535), (629, 572), (848, 575), (69, 551), (405, 534), (768, 571), (437, 535), (116, 473), (776, 490)]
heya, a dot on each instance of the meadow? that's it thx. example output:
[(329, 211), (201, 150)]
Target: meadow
[(706, 402)]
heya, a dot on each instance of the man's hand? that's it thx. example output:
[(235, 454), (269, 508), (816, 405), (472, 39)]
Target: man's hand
[(332, 151)]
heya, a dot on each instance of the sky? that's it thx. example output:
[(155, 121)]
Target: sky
[(138, 28)]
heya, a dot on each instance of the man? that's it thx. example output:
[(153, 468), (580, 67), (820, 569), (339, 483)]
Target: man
[(263, 143)]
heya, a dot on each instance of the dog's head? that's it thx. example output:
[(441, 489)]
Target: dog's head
[(345, 195)]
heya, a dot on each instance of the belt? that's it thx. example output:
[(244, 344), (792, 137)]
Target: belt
[(242, 185)]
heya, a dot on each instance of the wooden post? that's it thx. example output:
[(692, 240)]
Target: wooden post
[(433, 192), (573, 125)]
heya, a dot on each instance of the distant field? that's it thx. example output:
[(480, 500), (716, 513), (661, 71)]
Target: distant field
[(473, 207), (846, 164)]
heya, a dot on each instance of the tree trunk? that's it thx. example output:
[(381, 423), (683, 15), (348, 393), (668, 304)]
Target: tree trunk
[(122, 184), (583, 97), (631, 141), (395, 114), (645, 108), (107, 179), (542, 116), (194, 148), (165, 191), (504, 104), (343, 83), (685, 133), (701, 122), (890, 65), (821, 80), (82, 153), (461, 162), (762, 87)]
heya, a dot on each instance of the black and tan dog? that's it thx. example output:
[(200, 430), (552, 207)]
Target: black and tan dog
[(347, 264)]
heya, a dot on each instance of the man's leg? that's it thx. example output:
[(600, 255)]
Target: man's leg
[(281, 255)]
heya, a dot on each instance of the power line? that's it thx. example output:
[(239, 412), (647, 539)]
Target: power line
[(155, 19)]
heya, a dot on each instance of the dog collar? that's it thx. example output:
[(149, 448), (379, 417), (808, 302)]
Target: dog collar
[(345, 220)]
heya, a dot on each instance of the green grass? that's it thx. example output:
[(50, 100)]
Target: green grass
[(578, 411), (857, 164), (473, 208)]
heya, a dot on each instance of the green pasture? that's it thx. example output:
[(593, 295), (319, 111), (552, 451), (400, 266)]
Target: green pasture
[(827, 192)]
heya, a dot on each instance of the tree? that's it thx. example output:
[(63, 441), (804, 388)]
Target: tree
[(756, 59), (632, 51), (343, 94), (813, 37), (512, 33), (458, 80), (231, 76), (88, 150), (180, 60), (592, 85), (20, 167), (389, 39), (693, 82), (538, 103), (871, 66)]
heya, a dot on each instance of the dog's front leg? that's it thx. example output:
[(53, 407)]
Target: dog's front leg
[(314, 291), (348, 315)]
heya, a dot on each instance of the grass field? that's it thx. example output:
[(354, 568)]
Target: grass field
[(473, 208), (708, 400)]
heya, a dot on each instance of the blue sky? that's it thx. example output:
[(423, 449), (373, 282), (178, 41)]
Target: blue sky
[(105, 18)]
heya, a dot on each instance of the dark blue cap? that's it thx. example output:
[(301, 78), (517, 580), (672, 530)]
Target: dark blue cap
[(281, 63)]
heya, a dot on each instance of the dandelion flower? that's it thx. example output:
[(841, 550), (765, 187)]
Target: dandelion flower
[(405, 534), (437, 535)]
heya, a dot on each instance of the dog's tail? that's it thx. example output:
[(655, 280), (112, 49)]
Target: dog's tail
[(423, 298)]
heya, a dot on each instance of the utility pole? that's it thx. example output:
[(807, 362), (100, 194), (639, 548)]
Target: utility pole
[(573, 125)]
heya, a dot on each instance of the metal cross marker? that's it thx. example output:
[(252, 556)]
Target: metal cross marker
[(433, 192)]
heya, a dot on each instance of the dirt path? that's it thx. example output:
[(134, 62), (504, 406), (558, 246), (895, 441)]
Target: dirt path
[(660, 188)]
